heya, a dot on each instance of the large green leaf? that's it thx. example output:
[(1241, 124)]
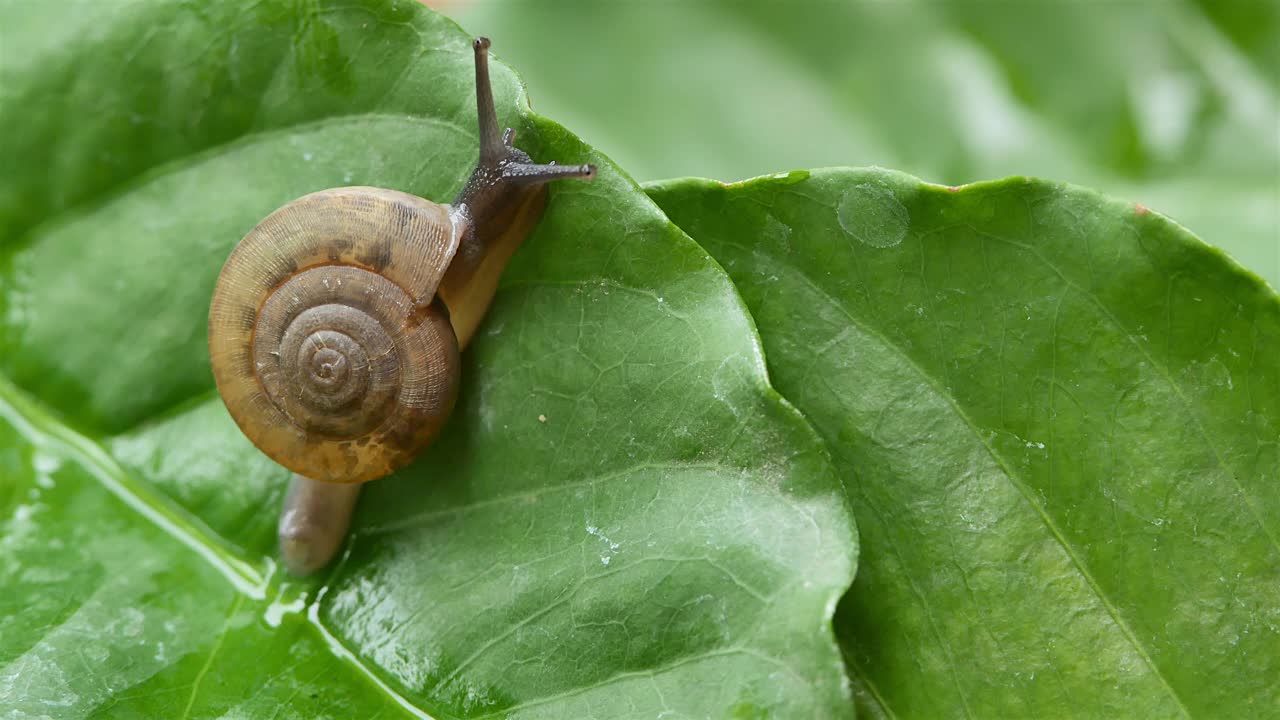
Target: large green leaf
[(1169, 104), (1058, 418), (622, 520)]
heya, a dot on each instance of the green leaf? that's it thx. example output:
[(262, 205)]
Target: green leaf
[(1166, 103), (1058, 418), (113, 605), (623, 519)]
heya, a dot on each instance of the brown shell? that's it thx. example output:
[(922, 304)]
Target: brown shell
[(328, 345)]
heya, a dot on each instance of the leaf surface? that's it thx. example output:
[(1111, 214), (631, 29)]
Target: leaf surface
[(623, 519), (1058, 418)]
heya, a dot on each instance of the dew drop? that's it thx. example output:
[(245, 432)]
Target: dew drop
[(872, 214)]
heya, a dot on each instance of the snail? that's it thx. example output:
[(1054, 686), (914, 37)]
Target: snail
[(336, 324)]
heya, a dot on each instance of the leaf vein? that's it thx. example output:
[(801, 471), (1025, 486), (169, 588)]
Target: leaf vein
[(1008, 473)]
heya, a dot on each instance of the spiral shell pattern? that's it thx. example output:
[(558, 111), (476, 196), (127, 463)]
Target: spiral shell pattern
[(327, 342)]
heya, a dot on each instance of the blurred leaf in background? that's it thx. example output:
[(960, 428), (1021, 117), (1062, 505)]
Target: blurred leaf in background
[(1169, 103)]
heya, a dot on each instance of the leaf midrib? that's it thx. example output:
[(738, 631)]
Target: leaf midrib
[(40, 428)]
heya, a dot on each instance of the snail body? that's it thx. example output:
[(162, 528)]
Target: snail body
[(336, 324)]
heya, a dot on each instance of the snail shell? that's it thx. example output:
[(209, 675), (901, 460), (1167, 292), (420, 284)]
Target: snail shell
[(336, 323), (327, 341)]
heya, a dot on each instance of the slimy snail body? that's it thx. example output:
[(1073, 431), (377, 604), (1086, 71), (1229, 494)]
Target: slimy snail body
[(336, 324)]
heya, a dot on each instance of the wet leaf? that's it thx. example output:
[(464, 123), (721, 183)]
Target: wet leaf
[(622, 520), (1058, 419)]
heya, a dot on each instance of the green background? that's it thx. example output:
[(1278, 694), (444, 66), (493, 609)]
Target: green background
[(1171, 103)]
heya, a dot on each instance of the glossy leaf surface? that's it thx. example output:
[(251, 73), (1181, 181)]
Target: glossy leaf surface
[(622, 520), (1058, 418)]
